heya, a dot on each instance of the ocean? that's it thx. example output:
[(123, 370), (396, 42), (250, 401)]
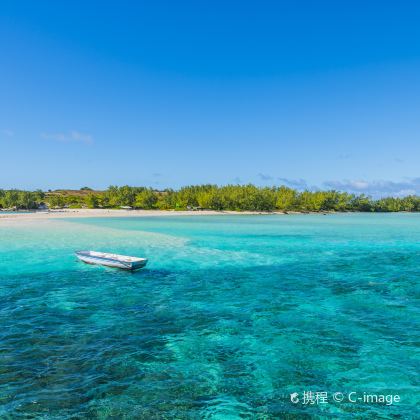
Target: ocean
[(232, 315)]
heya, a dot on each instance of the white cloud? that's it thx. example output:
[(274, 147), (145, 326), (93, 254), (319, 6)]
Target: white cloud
[(54, 136), (78, 136), (265, 177), (72, 136), (379, 188), (300, 183)]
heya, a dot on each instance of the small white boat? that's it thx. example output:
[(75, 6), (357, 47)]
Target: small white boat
[(111, 260)]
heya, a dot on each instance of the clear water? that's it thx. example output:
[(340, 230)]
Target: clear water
[(232, 314), (16, 212)]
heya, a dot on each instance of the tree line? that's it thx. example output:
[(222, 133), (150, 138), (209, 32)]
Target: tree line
[(213, 197)]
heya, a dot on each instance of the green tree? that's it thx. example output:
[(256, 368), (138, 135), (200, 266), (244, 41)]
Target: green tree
[(361, 203), (228, 197), (310, 201), (26, 200), (92, 201), (146, 199), (55, 200), (11, 198), (285, 199)]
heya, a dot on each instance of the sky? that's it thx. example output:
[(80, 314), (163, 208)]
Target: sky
[(309, 94)]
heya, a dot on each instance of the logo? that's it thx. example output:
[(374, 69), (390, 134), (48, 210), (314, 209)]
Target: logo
[(294, 398), (338, 396)]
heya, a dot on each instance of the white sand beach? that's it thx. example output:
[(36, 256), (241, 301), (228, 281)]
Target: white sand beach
[(66, 213)]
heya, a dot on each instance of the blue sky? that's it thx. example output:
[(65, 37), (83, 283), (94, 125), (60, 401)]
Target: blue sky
[(310, 94)]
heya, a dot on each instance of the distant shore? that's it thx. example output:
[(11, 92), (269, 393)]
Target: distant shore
[(66, 213), (80, 213)]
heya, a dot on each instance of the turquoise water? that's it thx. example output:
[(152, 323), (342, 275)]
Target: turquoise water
[(17, 212), (232, 314)]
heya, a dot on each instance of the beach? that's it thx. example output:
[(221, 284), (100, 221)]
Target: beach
[(66, 213)]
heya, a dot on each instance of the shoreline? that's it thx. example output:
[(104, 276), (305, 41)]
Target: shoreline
[(75, 213), (83, 213)]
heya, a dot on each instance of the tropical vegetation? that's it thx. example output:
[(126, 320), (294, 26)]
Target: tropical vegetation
[(229, 197)]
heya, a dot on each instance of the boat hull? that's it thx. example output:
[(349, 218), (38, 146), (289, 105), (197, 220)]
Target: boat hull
[(107, 262)]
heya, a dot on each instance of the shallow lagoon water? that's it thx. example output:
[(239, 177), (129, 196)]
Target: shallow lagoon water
[(232, 314)]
